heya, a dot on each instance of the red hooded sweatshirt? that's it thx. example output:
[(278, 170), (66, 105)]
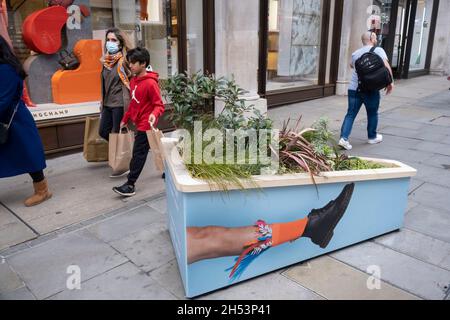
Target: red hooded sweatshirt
[(145, 100)]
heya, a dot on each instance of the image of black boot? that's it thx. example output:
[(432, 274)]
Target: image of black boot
[(321, 222)]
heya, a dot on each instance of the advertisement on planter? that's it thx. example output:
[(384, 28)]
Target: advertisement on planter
[(223, 238)]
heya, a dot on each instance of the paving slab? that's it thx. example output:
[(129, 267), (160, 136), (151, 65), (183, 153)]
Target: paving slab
[(433, 196), (125, 224), (398, 131), (126, 282), (12, 230), (443, 120), (76, 199), (415, 184), (148, 249), (414, 276), (385, 151), (385, 121), (429, 174), (419, 246), (168, 276), (429, 221), (44, 268), (335, 280), (412, 113), (19, 294), (433, 147), (9, 280), (273, 286), (159, 204), (438, 161)]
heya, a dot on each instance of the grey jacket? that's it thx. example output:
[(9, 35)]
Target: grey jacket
[(123, 90)]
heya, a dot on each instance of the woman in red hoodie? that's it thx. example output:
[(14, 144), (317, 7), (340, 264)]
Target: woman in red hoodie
[(145, 108)]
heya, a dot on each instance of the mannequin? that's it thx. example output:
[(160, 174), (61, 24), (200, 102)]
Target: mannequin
[(144, 12)]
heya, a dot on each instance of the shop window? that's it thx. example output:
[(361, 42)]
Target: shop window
[(153, 25), (17, 12), (159, 26), (102, 18), (379, 19), (421, 35), (194, 30), (295, 28)]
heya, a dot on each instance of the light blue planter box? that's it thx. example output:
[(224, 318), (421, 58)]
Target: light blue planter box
[(377, 207)]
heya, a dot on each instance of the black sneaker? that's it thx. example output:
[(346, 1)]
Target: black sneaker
[(321, 222), (126, 190), (163, 175), (119, 174)]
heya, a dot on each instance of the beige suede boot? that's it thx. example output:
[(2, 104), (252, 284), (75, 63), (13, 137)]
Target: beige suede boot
[(41, 194)]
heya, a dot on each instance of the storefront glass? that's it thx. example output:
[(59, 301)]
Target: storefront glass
[(293, 43), (194, 26), (379, 20), (421, 34), (399, 32), (17, 12), (159, 36)]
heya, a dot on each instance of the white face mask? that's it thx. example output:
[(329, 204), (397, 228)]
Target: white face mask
[(112, 47)]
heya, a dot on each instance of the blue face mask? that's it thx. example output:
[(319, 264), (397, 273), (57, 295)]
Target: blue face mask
[(112, 47)]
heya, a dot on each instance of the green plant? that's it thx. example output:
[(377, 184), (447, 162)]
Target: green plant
[(321, 138), (297, 154), (354, 163), (192, 98)]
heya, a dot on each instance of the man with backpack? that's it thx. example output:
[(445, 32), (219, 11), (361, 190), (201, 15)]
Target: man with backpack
[(371, 73)]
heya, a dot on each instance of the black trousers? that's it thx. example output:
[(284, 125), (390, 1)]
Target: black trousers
[(140, 153), (110, 121), (37, 176)]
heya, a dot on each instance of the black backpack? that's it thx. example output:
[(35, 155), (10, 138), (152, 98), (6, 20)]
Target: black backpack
[(372, 73)]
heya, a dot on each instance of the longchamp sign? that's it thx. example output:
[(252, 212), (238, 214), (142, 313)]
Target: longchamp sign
[(54, 111)]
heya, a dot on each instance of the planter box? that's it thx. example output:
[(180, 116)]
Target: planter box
[(377, 207)]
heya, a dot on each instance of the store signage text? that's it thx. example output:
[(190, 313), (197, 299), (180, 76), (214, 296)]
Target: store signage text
[(51, 114)]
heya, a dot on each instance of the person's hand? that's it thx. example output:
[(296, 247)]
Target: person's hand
[(152, 120), (123, 125), (389, 88)]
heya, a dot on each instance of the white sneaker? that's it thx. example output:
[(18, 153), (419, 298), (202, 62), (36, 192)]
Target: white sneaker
[(345, 144), (378, 139)]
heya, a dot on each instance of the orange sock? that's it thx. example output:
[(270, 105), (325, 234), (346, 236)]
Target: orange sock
[(290, 231)]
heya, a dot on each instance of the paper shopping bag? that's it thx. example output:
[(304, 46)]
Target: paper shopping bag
[(120, 150), (95, 148), (154, 139)]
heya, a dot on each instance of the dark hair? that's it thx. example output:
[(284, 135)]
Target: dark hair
[(123, 41), (7, 56), (140, 55)]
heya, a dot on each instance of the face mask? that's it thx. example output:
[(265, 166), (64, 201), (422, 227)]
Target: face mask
[(112, 47)]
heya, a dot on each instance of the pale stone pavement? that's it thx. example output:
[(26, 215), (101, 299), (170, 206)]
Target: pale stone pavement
[(124, 250)]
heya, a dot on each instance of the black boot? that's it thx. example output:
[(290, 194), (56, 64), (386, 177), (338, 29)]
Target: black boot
[(321, 222)]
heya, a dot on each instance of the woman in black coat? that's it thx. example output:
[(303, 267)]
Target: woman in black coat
[(23, 151)]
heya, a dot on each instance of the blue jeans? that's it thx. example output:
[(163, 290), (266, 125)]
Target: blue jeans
[(371, 101)]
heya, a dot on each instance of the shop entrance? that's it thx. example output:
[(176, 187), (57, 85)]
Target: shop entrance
[(406, 32)]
